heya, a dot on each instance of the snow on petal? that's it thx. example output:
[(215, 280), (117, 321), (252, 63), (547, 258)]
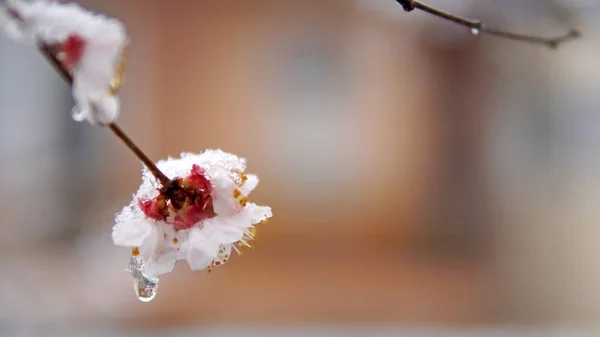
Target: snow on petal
[(258, 213), (180, 167), (88, 45), (132, 233), (214, 219)]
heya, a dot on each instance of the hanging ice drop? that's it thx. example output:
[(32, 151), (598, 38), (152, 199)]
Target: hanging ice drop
[(78, 114), (144, 286)]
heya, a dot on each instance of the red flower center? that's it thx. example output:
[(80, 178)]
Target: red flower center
[(72, 50), (195, 204)]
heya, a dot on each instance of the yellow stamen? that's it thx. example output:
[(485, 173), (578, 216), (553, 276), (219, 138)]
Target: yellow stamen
[(135, 251), (242, 242), (118, 80), (237, 250), (249, 235)]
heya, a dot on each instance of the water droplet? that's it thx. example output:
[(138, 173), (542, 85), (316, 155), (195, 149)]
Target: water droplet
[(78, 114), (475, 31), (144, 286)]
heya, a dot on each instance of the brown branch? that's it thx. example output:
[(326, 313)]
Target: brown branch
[(167, 183), (477, 27), (156, 172)]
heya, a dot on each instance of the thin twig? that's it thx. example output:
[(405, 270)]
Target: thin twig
[(477, 27), (156, 172), (46, 50)]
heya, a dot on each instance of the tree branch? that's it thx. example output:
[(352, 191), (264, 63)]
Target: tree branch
[(477, 27), (167, 183)]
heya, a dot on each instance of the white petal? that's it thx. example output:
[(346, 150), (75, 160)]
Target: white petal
[(230, 229), (250, 184), (227, 234), (225, 230), (98, 108), (182, 243), (158, 250), (161, 264), (200, 250), (224, 256), (151, 244), (131, 233), (223, 186), (199, 246)]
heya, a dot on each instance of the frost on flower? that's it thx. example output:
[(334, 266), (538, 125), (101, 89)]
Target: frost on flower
[(202, 219), (89, 46)]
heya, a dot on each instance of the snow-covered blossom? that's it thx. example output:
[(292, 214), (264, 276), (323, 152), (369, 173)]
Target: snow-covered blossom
[(89, 46), (202, 220)]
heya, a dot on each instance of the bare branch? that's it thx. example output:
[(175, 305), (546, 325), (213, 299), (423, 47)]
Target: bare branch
[(476, 27)]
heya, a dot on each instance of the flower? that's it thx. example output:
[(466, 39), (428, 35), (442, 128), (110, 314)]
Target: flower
[(89, 46), (201, 218)]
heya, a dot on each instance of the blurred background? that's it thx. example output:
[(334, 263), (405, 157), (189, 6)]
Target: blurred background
[(424, 181)]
